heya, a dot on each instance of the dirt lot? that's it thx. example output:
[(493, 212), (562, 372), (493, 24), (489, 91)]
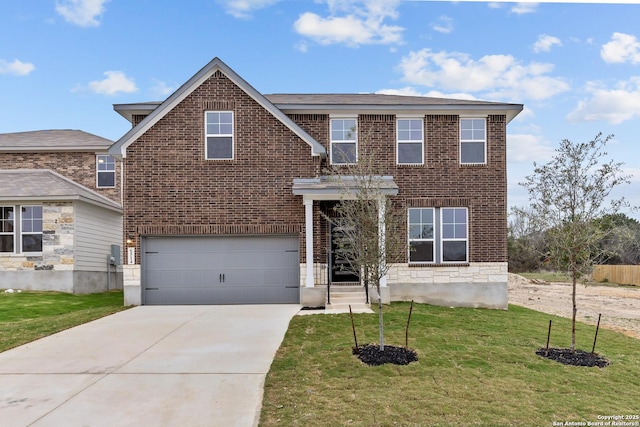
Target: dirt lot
[(620, 306)]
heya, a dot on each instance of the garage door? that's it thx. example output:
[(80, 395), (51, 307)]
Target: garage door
[(220, 270)]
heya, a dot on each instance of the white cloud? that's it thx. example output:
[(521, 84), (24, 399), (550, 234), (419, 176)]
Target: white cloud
[(527, 148), (16, 67), (545, 43), (497, 76), (84, 13), (495, 5), (115, 82), (621, 48), (160, 88), (444, 25), (244, 8), (522, 8), (353, 23), (614, 105)]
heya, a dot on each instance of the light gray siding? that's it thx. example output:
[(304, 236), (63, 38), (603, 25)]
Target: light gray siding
[(96, 230)]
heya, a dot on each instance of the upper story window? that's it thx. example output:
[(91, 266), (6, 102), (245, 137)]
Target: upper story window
[(410, 141), (438, 235), (20, 229), (106, 171), (473, 141), (344, 141), (219, 135)]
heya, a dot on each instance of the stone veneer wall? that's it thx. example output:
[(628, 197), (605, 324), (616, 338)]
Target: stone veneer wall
[(57, 243)]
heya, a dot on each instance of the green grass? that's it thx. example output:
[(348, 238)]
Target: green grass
[(549, 276), (476, 367), (30, 315)]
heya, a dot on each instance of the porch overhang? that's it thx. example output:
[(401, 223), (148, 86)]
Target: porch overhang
[(341, 187)]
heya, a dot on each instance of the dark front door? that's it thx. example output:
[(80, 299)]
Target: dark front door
[(341, 270)]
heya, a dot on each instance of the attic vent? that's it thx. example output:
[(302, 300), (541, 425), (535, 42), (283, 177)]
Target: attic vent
[(218, 75), (218, 105)]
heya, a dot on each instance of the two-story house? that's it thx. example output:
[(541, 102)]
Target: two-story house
[(60, 212), (224, 191)]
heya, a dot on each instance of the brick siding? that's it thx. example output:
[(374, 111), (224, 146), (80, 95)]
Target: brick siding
[(76, 166), (171, 189)]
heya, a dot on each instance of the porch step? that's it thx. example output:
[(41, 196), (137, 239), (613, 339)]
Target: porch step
[(343, 297)]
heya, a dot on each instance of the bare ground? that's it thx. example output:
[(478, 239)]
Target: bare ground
[(620, 306)]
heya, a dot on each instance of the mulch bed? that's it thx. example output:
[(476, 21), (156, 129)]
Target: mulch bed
[(372, 356), (577, 358)]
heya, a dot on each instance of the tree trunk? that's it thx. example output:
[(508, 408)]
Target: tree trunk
[(575, 310), (380, 318)]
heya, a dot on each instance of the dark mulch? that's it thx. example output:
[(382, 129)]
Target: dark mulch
[(577, 358), (371, 354)]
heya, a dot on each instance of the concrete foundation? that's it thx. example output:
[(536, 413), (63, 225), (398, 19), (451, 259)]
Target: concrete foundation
[(313, 297), (485, 295), (77, 282)]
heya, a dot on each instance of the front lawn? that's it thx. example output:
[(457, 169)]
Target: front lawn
[(29, 315), (476, 367)]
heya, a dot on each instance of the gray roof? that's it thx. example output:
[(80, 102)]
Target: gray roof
[(52, 140), (31, 185), (388, 104), (335, 187)]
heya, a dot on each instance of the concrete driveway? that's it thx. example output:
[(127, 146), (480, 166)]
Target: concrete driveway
[(147, 366)]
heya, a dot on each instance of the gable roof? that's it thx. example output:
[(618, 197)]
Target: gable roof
[(119, 149), (52, 140), (30, 185)]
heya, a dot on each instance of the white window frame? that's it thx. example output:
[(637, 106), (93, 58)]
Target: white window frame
[(18, 231), (105, 158), (438, 239), (208, 135), (332, 120), (409, 141), (9, 233), (473, 140)]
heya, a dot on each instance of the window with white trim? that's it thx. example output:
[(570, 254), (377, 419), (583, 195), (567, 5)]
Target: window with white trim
[(438, 235), (105, 171), (409, 141), (344, 145), (219, 135), (20, 229), (473, 141)]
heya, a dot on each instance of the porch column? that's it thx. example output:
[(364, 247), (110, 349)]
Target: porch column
[(308, 234), (382, 235)]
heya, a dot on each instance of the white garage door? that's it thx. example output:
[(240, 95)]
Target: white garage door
[(220, 270)]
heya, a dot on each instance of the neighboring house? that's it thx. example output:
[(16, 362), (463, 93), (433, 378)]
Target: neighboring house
[(224, 193), (60, 212)]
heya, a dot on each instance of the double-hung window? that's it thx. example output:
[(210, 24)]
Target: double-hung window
[(473, 141), (344, 145), (410, 141), (438, 235), (219, 135), (20, 229), (106, 171)]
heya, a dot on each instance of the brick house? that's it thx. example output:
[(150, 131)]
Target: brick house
[(60, 211), (224, 190)]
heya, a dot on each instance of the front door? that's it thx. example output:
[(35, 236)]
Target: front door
[(341, 270)]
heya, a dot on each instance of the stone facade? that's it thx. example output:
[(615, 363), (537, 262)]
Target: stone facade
[(57, 243)]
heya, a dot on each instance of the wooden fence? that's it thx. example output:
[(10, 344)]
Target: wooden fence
[(622, 274)]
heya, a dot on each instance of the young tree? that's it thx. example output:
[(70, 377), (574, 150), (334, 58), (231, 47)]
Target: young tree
[(567, 195), (370, 237)]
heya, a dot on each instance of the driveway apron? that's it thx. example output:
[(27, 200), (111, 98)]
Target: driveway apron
[(147, 366)]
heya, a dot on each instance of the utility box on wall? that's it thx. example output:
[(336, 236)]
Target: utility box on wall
[(115, 255)]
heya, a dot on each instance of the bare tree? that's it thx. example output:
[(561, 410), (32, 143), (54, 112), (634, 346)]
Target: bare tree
[(566, 195), (371, 237)]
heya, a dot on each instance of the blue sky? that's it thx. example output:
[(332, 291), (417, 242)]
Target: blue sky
[(575, 66)]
